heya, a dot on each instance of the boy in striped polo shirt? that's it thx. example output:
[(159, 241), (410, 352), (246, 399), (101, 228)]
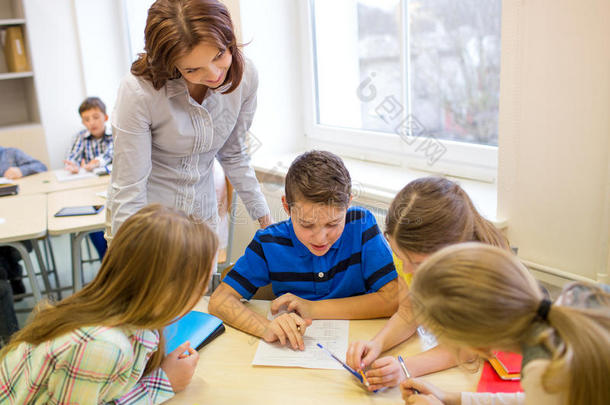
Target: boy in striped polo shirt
[(327, 261)]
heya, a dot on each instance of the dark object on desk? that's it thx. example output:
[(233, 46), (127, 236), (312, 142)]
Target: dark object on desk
[(80, 210), (8, 189), (196, 327)]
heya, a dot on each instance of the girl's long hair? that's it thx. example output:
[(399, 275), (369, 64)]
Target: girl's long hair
[(478, 296), (174, 28), (432, 212), (158, 263)]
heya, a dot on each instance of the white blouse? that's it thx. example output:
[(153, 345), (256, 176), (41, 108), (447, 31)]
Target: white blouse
[(165, 144)]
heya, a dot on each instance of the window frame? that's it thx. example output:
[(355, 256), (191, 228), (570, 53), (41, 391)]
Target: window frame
[(460, 159)]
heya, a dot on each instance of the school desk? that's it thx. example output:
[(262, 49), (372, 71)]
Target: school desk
[(224, 374), (46, 182), (25, 218), (77, 226)]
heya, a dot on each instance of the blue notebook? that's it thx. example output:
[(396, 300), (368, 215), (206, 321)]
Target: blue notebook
[(197, 327)]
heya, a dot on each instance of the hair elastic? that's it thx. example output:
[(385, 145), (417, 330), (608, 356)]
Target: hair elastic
[(543, 309)]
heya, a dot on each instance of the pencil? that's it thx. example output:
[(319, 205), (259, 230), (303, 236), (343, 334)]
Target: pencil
[(404, 368), (364, 380)]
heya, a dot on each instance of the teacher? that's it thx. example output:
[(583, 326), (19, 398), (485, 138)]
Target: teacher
[(190, 98)]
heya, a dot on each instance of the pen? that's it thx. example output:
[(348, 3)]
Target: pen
[(345, 366), (404, 368)]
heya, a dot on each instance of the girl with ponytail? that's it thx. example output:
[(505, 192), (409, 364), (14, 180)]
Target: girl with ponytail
[(427, 215), (480, 297)]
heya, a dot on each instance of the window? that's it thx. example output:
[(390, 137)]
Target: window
[(413, 82)]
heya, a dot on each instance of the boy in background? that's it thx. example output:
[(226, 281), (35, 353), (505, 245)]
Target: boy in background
[(327, 261), (14, 164), (91, 148)]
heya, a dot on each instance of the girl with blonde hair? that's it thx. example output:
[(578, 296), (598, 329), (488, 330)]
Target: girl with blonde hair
[(105, 342), (481, 297), (425, 216)]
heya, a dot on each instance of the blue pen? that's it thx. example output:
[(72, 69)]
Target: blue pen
[(404, 368), (345, 366)]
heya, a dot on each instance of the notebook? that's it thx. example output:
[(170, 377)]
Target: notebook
[(501, 371), (199, 328), (8, 187), (491, 382), (511, 362)]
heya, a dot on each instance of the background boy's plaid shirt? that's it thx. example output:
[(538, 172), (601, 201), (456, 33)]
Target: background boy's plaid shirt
[(85, 146)]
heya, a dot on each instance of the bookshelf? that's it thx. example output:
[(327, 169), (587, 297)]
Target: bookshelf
[(20, 124)]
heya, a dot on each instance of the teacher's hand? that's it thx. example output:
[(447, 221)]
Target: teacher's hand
[(265, 221)]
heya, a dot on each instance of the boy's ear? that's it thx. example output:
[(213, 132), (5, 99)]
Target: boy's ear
[(105, 117), (285, 205), (351, 197)]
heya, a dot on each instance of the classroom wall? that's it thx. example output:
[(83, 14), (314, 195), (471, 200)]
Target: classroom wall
[(78, 48), (271, 31), (57, 69), (554, 165)]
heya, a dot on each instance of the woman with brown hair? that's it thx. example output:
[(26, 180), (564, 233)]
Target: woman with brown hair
[(425, 216), (105, 342), (190, 98), (480, 297)]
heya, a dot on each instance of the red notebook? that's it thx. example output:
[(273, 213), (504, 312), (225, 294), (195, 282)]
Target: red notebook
[(511, 362), (491, 382)]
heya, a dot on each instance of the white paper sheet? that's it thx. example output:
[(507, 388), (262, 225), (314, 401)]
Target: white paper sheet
[(332, 334), (64, 175), (428, 340), (4, 180)]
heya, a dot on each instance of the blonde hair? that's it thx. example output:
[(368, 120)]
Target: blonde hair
[(433, 212), (159, 260), (479, 296)]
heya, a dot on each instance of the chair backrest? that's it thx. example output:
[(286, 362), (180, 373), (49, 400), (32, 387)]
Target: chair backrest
[(28, 138), (263, 293)]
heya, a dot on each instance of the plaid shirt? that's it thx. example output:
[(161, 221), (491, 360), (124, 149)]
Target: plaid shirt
[(85, 146), (91, 365)]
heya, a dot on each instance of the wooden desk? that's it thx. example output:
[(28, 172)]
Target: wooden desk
[(46, 182), (78, 226), (225, 375), (25, 218)]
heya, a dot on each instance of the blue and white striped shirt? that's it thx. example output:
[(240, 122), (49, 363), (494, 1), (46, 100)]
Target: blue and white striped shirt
[(359, 262), (85, 146)]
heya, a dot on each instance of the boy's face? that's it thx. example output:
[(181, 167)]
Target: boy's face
[(94, 120), (317, 226), (410, 260)]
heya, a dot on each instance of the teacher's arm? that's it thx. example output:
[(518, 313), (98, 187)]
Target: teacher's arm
[(132, 153), (234, 158)]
